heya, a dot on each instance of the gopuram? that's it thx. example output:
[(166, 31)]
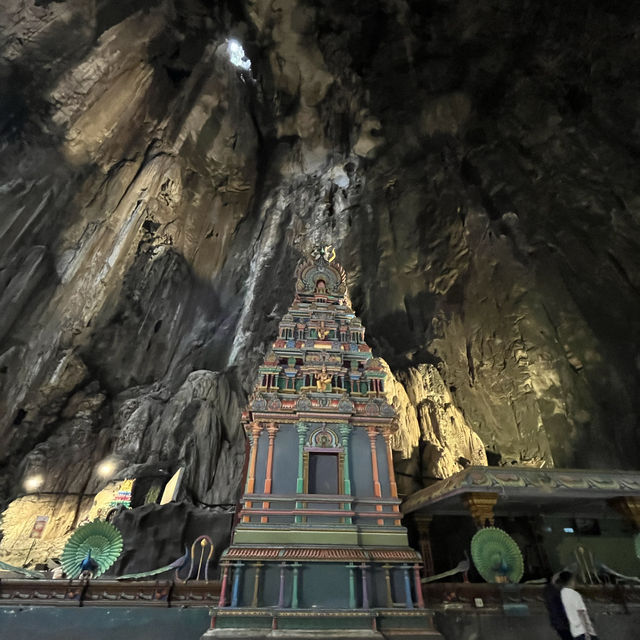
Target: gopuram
[(319, 549)]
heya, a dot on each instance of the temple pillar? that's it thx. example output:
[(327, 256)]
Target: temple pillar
[(393, 487), (283, 568), (418, 585), (480, 505), (423, 524), (365, 586), (345, 432), (407, 586), (377, 492), (302, 435), (256, 584), (387, 584), (253, 435), (223, 587), (295, 600), (352, 585), (629, 508), (272, 429), (235, 589)]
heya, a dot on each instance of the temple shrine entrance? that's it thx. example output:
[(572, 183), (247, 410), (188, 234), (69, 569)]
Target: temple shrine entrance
[(323, 472)]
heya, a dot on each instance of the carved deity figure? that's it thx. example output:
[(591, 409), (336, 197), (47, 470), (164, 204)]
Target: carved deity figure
[(322, 332), (323, 380)]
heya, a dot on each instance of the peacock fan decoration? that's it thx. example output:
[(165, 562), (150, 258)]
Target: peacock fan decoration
[(497, 556), (91, 549)]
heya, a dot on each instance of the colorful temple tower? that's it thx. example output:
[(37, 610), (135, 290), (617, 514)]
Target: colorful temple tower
[(319, 545)]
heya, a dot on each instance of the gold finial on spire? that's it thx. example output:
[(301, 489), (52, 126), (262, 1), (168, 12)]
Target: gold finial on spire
[(328, 252)]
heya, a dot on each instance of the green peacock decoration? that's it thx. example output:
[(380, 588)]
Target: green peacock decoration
[(497, 556), (92, 548)]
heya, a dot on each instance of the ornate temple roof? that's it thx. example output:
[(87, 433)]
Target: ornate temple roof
[(320, 360), (320, 274)]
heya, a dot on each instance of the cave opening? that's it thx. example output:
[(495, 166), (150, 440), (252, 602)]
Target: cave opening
[(237, 56)]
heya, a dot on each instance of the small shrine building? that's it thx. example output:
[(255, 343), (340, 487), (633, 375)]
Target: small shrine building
[(319, 543)]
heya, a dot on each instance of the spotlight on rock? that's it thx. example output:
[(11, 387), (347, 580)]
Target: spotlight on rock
[(107, 468), (33, 483)]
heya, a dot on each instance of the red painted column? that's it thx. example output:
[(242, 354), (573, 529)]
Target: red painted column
[(223, 586), (373, 432), (393, 487), (416, 577), (254, 434)]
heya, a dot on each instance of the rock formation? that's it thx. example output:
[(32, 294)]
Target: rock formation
[(473, 164)]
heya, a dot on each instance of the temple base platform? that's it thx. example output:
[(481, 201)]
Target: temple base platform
[(307, 624), (147, 610)]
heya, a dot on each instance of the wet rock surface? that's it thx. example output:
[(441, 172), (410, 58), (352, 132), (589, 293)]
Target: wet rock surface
[(474, 165)]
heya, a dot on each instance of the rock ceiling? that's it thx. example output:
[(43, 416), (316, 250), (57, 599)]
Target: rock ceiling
[(474, 163)]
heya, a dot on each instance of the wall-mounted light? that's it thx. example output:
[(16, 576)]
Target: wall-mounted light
[(107, 468), (32, 483)]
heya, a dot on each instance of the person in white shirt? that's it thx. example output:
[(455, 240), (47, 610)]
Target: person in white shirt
[(579, 622)]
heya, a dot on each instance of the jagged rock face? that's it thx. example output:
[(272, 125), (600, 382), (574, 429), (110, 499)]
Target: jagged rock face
[(445, 443), (151, 542), (474, 166), (433, 439), (198, 427)]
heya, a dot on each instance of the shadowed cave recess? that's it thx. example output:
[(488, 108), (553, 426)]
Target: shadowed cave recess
[(473, 163)]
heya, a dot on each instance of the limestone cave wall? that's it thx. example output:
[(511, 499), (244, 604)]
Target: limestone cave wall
[(474, 163)]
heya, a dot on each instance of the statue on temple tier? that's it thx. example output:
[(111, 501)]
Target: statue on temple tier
[(322, 331), (323, 380)]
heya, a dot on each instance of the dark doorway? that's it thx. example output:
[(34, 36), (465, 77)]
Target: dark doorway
[(323, 473)]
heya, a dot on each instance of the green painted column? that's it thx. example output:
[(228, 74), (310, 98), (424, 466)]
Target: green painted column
[(345, 432), (302, 434), (352, 585)]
